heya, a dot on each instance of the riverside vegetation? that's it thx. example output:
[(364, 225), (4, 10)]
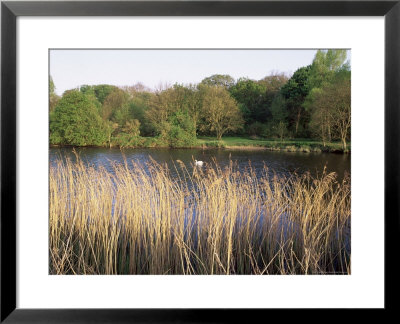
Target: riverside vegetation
[(139, 219), (309, 111)]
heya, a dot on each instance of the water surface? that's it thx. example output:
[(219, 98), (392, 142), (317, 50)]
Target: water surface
[(280, 163)]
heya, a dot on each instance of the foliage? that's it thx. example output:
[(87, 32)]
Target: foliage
[(314, 103), (52, 87), (256, 129), (53, 98), (127, 140), (274, 82), (179, 130), (273, 144), (114, 103), (279, 125), (220, 111), (75, 122), (324, 66), (222, 80), (251, 95), (329, 100), (161, 105), (170, 115), (337, 97), (138, 106), (294, 92)]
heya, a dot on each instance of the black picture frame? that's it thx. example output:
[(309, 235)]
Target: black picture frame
[(11, 10)]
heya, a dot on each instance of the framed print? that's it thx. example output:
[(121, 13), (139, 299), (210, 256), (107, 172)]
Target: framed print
[(186, 161)]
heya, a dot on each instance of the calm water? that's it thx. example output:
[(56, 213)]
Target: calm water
[(281, 163)]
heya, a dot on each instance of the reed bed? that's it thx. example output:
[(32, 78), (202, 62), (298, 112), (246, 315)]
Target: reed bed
[(142, 219)]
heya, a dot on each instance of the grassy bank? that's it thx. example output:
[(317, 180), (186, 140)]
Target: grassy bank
[(295, 145), (292, 145), (140, 220)]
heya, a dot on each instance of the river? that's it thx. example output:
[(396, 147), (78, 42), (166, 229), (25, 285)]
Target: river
[(280, 163)]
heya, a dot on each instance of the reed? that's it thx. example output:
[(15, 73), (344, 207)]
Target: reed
[(142, 219)]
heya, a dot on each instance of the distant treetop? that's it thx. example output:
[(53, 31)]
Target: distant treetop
[(223, 80)]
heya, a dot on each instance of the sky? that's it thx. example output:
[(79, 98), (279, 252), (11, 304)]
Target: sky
[(73, 68)]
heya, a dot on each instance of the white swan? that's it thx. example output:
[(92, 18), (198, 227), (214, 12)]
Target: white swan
[(198, 163)]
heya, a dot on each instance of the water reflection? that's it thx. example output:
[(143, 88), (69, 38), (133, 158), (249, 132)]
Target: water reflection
[(280, 163)]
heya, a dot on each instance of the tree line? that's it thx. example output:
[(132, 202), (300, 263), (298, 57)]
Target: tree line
[(314, 103)]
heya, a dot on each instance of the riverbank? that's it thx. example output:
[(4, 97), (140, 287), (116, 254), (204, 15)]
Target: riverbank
[(290, 145), (245, 143)]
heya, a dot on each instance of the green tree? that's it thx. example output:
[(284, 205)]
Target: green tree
[(132, 127), (75, 121), (110, 129), (89, 92), (294, 92), (135, 89), (128, 134), (102, 91), (139, 105), (324, 66), (339, 97), (256, 129), (53, 98), (279, 117), (251, 95), (115, 103), (161, 105), (222, 80), (191, 103), (273, 84), (220, 111), (52, 87), (330, 108), (328, 68), (170, 112), (321, 117), (179, 130), (86, 89)]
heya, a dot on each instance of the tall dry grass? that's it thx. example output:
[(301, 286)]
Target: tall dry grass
[(144, 220)]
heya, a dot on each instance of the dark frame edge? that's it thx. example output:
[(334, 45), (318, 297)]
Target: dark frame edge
[(10, 314), (122, 316), (8, 162), (203, 8), (392, 149)]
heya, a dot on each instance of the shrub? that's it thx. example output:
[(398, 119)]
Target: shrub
[(75, 121), (256, 129), (179, 131)]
